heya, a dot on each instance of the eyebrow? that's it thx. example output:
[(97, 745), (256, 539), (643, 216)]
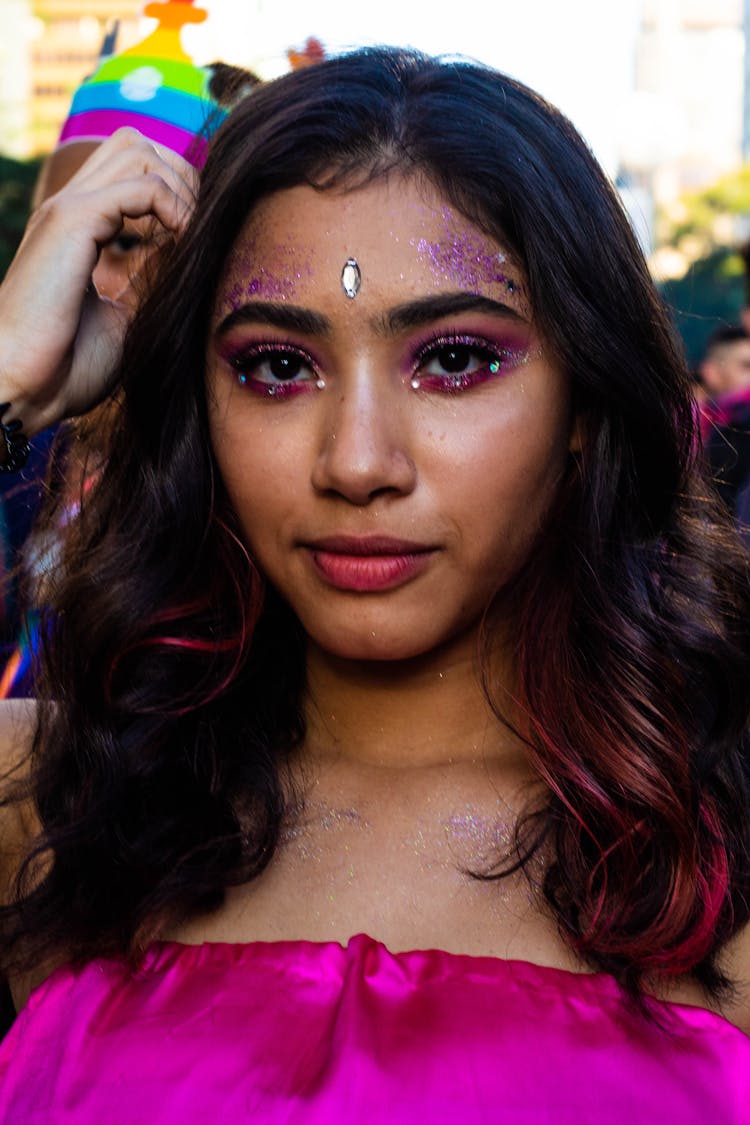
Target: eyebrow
[(288, 317), (410, 314), (414, 314)]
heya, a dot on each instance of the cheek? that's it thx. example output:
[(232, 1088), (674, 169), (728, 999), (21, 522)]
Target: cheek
[(109, 277), (499, 483), (260, 473), (113, 272), (512, 457)]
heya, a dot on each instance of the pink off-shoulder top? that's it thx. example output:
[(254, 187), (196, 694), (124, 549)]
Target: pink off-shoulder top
[(312, 1033)]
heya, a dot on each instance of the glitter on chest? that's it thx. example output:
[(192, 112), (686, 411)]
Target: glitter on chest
[(307, 828), (470, 839), (462, 841)]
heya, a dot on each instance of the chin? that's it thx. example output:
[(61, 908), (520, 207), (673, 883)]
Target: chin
[(373, 645), (372, 649)]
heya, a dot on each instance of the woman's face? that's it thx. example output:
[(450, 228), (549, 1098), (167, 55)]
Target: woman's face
[(390, 452)]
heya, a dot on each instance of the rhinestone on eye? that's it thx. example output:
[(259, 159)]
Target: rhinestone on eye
[(351, 278)]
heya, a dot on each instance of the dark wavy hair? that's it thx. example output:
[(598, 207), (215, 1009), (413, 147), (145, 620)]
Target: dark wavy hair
[(177, 679)]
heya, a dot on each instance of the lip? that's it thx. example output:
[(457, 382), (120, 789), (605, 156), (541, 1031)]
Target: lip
[(368, 564)]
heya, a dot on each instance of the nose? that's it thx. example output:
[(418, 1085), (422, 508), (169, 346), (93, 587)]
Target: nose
[(365, 441)]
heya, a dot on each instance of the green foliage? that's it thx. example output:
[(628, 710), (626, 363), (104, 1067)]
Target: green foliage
[(17, 179), (701, 219), (712, 292), (707, 227)]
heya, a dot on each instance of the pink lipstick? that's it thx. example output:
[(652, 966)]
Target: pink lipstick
[(370, 564)]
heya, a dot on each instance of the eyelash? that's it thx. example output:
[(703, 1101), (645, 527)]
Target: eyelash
[(497, 360), (246, 363)]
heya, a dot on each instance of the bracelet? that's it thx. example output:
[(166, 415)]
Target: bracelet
[(16, 443)]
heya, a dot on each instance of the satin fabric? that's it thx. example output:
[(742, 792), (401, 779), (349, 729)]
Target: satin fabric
[(302, 1032)]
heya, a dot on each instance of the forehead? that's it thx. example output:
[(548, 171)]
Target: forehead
[(401, 232)]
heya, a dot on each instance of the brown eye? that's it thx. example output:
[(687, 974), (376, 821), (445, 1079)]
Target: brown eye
[(274, 369), (285, 366), (454, 358)]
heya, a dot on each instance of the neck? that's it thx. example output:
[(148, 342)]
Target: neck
[(424, 712)]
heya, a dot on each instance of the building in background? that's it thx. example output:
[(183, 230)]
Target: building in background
[(48, 47), (15, 80), (65, 46), (683, 126), (690, 73)]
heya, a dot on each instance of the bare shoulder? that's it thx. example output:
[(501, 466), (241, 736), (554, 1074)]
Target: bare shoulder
[(17, 820), (736, 962)]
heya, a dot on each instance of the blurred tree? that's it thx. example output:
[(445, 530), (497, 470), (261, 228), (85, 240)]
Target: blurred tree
[(702, 220), (17, 179), (706, 229), (712, 292)]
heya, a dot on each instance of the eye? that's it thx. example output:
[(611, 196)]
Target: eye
[(124, 244), (127, 242), (458, 359), (457, 363), (274, 370)]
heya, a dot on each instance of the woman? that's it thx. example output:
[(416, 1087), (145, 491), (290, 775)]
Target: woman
[(398, 661)]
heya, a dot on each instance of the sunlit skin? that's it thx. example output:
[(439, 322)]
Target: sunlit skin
[(460, 471)]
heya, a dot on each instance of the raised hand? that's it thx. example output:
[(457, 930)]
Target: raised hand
[(60, 341)]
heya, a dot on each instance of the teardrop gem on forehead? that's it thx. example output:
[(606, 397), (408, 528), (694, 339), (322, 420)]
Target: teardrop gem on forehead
[(351, 278)]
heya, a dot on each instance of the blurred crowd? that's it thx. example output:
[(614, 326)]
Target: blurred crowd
[(722, 392)]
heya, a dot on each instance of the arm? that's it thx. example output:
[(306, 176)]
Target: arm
[(60, 341)]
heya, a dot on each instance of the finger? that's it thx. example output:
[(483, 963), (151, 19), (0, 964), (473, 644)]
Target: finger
[(147, 194), (141, 159), (86, 220), (128, 152), (106, 186)]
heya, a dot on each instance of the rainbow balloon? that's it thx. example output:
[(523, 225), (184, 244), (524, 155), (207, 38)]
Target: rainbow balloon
[(153, 87)]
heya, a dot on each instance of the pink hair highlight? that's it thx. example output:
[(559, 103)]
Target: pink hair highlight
[(239, 642), (604, 766)]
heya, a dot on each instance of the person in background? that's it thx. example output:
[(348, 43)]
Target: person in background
[(153, 87), (725, 417), (725, 367)]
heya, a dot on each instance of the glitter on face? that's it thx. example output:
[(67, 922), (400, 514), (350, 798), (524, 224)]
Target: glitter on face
[(464, 257), (251, 280)]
